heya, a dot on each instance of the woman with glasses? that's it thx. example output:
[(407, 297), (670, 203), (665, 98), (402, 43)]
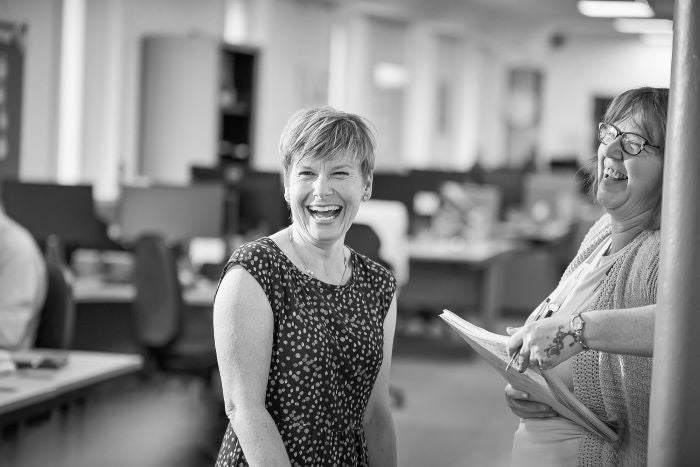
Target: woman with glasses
[(595, 330)]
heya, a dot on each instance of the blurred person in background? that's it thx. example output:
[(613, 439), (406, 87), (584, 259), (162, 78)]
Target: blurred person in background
[(595, 331), (23, 284), (303, 324)]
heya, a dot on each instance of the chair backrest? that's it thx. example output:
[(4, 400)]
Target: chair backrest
[(158, 305), (363, 239), (389, 221), (57, 319)]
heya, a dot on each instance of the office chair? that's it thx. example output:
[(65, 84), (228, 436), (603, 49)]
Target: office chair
[(363, 239), (160, 316), (57, 318)]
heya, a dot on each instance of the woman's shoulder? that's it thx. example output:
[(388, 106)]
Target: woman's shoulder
[(263, 246), (374, 270), (649, 246), (603, 224), (260, 258), (257, 254), (642, 262), (600, 230)]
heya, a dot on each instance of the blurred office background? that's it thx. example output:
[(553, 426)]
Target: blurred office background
[(125, 120)]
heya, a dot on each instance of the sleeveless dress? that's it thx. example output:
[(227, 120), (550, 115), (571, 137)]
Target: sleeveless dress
[(327, 350)]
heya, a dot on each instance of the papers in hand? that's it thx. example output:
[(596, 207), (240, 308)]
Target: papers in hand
[(542, 386)]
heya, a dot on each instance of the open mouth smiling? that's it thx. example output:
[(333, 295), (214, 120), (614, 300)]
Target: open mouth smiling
[(330, 211), (611, 174)]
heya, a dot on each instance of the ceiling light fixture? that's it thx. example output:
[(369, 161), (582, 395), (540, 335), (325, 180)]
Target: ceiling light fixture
[(390, 75), (615, 9)]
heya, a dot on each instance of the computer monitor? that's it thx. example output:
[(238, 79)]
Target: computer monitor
[(67, 211), (178, 213), (255, 199), (262, 205), (393, 187)]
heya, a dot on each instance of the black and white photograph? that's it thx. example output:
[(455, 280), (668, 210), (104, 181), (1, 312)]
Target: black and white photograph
[(349, 233)]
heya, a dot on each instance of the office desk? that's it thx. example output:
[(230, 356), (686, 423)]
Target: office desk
[(477, 253), (103, 320), (28, 391), (94, 290), (534, 271), (443, 272), (552, 231)]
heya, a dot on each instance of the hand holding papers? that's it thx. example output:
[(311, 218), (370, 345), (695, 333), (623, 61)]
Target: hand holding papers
[(541, 385)]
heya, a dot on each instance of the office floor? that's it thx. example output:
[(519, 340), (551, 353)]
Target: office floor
[(454, 415), (451, 412)]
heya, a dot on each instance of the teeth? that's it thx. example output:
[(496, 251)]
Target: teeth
[(324, 212), (324, 208), (612, 173)]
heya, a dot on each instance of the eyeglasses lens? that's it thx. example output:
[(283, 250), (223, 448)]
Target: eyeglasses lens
[(632, 144), (606, 133)]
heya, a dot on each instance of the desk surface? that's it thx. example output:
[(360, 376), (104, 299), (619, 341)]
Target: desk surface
[(549, 232), (93, 290), (28, 387), (446, 251), (484, 257)]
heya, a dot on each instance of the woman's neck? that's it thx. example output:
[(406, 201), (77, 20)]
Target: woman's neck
[(624, 231), (323, 260)]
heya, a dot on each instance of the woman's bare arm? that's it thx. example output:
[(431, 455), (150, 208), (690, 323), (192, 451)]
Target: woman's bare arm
[(378, 422), (243, 327)]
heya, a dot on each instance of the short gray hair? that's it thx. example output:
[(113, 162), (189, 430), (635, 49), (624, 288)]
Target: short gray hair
[(324, 133)]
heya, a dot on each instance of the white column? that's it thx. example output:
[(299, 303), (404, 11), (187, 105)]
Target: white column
[(70, 107)]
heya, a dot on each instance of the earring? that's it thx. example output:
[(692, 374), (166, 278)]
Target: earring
[(366, 196)]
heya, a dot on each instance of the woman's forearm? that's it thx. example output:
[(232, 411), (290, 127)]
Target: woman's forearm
[(381, 439), (624, 331), (259, 437)]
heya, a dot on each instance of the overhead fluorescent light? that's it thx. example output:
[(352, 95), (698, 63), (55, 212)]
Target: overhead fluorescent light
[(643, 26), (615, 9), (390, 75)]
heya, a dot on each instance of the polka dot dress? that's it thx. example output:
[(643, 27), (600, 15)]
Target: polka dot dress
[(326, 354)]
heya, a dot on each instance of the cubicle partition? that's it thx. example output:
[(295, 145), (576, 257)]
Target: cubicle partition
[(66, 211), (178, 213), (259, 207)]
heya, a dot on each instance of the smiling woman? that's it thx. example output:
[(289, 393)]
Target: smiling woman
[(630, 156), (324, 197), (304, 325), (596, 330)]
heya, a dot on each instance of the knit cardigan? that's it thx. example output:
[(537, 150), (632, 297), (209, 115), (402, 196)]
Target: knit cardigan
[(617, 387)]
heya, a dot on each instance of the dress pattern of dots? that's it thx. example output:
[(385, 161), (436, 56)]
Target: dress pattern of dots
[(326, 354)]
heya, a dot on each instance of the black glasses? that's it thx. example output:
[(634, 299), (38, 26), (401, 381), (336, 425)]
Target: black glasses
[(631, 143)]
